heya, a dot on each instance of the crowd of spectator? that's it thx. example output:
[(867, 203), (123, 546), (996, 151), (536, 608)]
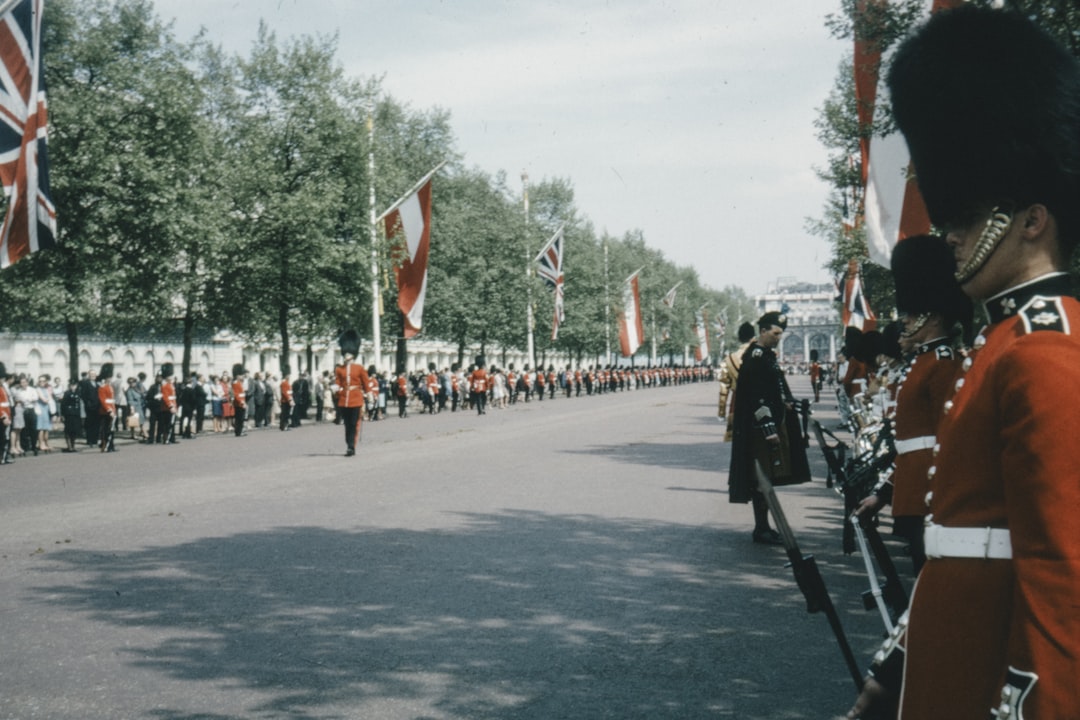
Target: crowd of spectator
[(164, 409)]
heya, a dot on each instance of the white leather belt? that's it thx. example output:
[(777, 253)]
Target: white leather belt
[(948, 542), (916, 443)]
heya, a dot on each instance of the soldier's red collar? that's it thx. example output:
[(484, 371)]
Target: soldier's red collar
[(931, 345), (1005, 305)]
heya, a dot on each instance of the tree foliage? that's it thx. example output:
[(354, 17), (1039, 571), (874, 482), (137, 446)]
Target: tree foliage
[(201, 191)]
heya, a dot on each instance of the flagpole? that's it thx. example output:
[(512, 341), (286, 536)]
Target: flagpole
[(376, 326), (607, 308), (530, 350), (410, 192), (652, 359)]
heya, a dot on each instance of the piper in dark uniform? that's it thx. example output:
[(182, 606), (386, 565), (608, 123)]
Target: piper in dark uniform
[(352, 381), (990, 107), (766, 428)]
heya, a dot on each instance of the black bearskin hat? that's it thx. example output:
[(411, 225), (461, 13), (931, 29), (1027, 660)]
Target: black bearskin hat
[(813, 355), (923, 268), (869, 347), (746, 332), (285, 369), (3, 371), (480, 361), (106, 372), (852, 339), (349, 342), (989, 105), (238, 370), (770, 319), (890, 340), (167, 370)]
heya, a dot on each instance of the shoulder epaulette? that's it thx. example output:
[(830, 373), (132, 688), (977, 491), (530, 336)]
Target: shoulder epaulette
[(944, 352), (757, 352), (1044, 313)]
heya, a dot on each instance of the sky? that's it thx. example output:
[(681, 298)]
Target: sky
[(691, 121)]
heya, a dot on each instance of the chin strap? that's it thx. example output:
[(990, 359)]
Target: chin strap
[(996, 226)]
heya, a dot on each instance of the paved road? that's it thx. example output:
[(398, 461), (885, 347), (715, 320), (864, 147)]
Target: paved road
[(564, 559)]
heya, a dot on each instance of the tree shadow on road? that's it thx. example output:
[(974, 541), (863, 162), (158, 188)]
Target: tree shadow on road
[(510, 615)]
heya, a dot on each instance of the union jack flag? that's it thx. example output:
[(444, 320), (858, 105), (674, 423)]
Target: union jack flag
[(550, 270), (30, 221)]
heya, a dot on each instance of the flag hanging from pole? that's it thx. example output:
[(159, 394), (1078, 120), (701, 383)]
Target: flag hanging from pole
[(894, 208), (412, 221), (550, 270), (856, 310), (669, 298), (631, 326), (701, 329), (30, 221)]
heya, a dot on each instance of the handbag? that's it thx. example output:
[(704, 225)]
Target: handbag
[(132, 422)]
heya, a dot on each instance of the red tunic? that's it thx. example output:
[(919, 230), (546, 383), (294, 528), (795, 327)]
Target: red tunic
[(1007, 459), (352, 379), (286, 392), (106, 399), (168, 396), (239, 397), (5, 404), (926, 385), (479, 380)]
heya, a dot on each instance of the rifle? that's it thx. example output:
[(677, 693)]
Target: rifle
[(807, 575), (891, 600)]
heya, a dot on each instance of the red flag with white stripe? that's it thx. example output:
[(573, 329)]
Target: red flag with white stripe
[(410, 223), (894, 207), (631, 327), (701, 328), (30, 221)]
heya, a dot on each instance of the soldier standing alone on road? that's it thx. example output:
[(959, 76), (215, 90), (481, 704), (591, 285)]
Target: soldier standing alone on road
[(352, 381)]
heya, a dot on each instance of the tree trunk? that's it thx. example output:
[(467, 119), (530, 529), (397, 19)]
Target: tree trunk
[(283, 329), (73, 348), (309, 354), (402, 349), (189, 334)]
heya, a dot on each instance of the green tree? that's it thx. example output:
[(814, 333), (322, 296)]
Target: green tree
[(122, 119)]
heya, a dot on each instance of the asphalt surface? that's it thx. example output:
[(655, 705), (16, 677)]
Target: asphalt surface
[(566, 559)]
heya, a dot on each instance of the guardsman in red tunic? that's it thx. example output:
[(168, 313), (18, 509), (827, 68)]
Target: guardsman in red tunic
[(167, 406), (285, 419), (478, 383), (994, 624), (239, 395), (402, 395), (352, 381), (5, 417), (106, 409), (933, 309)]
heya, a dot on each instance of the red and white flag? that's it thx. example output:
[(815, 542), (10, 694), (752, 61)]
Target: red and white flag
[(669, 298), (30, 221), (410, 223), (701, 329), (894, 208), (631, 327)]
